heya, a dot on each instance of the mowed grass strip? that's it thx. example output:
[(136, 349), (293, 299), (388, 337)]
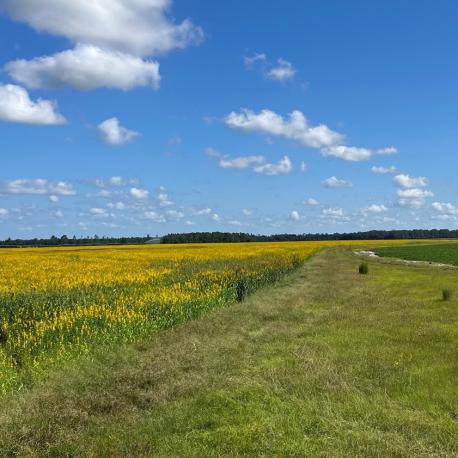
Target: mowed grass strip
[(328, 363), (444, 253)]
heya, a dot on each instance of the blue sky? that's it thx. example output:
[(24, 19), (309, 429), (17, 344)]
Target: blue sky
[(152, 116)]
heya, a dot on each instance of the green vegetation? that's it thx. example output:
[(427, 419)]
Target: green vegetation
[(327, 363), (445, 253), (363, 268), (446, 294)]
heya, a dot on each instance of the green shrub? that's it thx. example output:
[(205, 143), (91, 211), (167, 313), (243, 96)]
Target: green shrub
[(446, 294), (363, 268), (240, 290)]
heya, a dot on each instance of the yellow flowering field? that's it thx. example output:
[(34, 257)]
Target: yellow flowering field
[(55, 302)]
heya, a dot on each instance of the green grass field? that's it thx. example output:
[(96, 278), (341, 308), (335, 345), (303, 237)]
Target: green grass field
[(327, 363), (441, 253)]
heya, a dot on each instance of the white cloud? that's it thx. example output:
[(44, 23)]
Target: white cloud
[(247, 212), (84, 68), (112, 133), (295, 127), (155, 217), (374, 208), (38, 186), (334, 212), (216, 217), (201, 211), (3, 212), (311, 202), (413, 197), (116, 181), (387, 151), (53, 198), (175, 214), (117, 205), (406, 181), (257, 57), (164, 199), (445, 207), (384, 170), (241, 162), (234, 222), (283, 71), (334, 182), (140, 194), (294, 216), (347, 153), (303, 167), (16, 106), (137, 27), (100, 212), (282, 167), (352, 153)]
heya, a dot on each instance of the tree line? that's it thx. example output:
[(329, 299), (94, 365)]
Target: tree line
[(76, 241), (230, 237)]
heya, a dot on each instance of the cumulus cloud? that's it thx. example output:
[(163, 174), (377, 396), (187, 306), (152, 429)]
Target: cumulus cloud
[(174, 214), (413, 197), (347, 153), (387, 151), (294, 216), (140, 194), (247, 211), (154, 217), (312, 202), (334, 182), (84, 68), (112, 133), (201, 211), (37, 186), (226, 161), (17, 106), (335, 212), (216, 217), (257, 57), (99, 212), (384, 170), (445, 207), (294, 127), (137, 27), (4, 212), (164, 199), (374, 208), (117, 205), (115, 182), (111, 39), (282, 167), (234, 222), (406, 181), (282, 71), (354, 154)]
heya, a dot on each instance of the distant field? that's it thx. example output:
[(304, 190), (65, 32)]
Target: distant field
[(442, 253)]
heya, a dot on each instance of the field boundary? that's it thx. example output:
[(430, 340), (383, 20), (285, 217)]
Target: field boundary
[(367, 254)]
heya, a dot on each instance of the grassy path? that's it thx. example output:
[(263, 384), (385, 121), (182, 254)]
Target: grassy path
[(329, 363)]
